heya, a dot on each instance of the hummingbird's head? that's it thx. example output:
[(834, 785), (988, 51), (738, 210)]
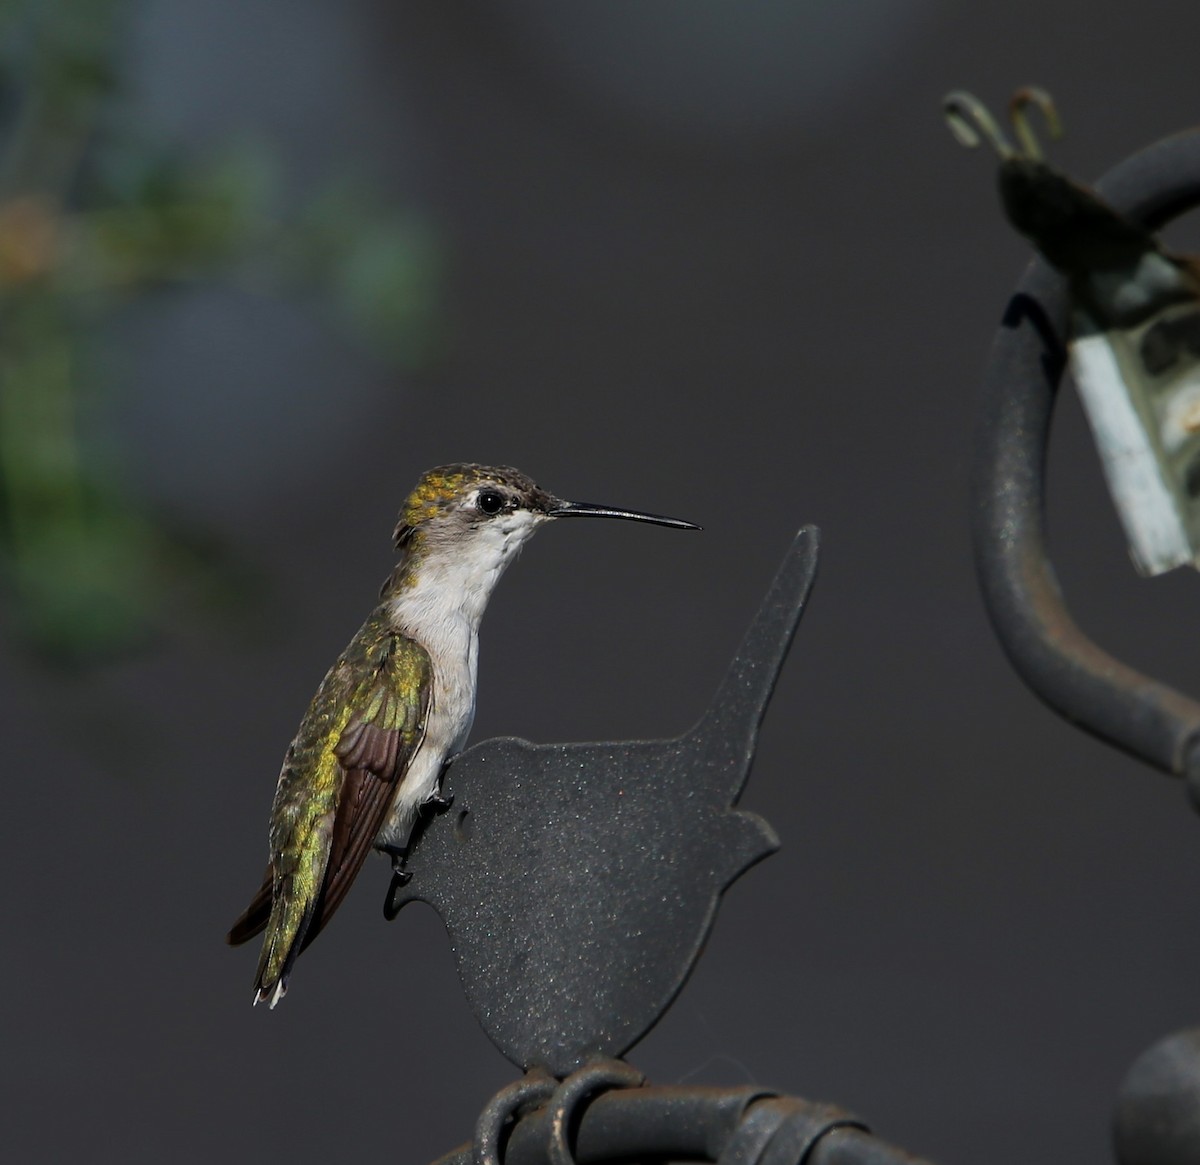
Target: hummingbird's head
[(455, 505), (453, 502), (481, 515)]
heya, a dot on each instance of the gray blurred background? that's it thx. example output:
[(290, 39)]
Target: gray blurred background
[(722, 261)]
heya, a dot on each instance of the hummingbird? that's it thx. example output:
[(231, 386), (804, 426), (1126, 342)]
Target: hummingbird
[(396, 706)]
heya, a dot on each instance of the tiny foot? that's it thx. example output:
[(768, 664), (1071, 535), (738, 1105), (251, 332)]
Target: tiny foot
[(439, 804), (399, 855), (400, 879)]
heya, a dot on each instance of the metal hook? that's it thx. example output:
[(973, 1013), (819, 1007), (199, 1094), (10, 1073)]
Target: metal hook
[(590, 1079), (1020, 101), (970, 122)]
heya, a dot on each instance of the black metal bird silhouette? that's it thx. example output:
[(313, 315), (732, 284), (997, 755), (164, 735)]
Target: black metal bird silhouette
[(578, 882)]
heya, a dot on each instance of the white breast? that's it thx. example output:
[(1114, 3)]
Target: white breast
[(442, 610)]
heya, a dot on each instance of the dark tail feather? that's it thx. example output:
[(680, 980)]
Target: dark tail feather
[(271, 990), (254, 917), (353, 834)]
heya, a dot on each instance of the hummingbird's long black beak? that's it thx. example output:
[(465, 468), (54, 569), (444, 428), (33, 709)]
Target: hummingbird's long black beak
[(560, 509)]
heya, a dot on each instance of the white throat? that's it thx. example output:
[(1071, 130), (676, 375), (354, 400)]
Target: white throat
[(451, 587)]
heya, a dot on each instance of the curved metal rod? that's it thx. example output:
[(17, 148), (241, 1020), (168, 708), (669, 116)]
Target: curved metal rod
[(534, 1086), (576, 1088), (1052, 655), (731, 1126)]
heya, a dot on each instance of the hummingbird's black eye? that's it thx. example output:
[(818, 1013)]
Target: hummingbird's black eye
[(490, 501)]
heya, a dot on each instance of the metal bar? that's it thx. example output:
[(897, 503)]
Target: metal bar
[(1052, 655), (644, 1124), (850, 1146), (732, 1126)]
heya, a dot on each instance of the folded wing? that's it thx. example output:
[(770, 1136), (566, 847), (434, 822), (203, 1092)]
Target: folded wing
[(362, 730)]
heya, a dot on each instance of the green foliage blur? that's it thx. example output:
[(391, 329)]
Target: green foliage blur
[(92, 217)]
